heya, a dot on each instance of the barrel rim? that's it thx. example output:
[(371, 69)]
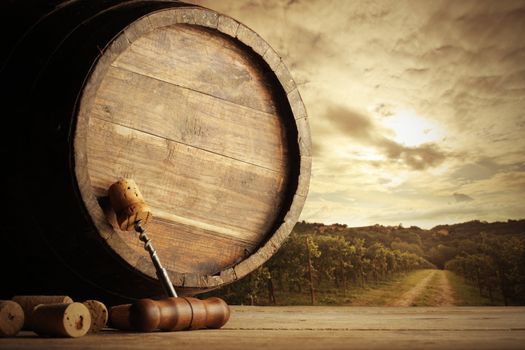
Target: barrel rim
[(206, 18)]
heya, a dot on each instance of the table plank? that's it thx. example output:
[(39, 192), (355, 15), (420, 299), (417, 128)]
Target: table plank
[(322, 328)]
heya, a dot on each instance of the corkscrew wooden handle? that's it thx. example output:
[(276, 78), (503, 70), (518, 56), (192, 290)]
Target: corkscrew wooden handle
[(171, 314)]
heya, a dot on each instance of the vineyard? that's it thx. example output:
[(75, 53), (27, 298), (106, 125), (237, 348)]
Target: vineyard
[(495, 266), (318, 262)]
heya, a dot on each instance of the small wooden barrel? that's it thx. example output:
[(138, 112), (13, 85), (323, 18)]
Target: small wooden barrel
[(194, 106)]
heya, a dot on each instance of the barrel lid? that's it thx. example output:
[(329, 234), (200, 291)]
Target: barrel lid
[(203, 114)]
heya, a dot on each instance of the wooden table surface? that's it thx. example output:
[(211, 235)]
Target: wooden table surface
[(322, 328)]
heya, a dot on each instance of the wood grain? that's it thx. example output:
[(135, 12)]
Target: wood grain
[(197, 59), (185, 186), (200, 187), (323, 328), (189, 117)]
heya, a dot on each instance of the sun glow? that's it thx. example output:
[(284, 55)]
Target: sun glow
[(412, 130)]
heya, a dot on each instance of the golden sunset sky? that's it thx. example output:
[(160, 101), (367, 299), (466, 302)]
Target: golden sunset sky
[(416, 108)]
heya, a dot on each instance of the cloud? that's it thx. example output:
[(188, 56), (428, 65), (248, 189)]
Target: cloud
[(417, 158), (483, 168), (351, 123), (460, 197), (362, 129)]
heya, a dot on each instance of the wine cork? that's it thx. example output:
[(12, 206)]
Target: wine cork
[(99, 315), (11, 318), (128, 204), (61, 320), (28, 303)]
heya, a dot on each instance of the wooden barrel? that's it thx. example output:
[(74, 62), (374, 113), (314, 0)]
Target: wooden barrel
[(194, 106)]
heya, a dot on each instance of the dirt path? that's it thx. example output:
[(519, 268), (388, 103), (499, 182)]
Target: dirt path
[(438, 286), (446, 298), (408, 297)]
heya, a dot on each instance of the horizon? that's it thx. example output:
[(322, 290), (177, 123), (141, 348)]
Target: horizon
[(403, 225)]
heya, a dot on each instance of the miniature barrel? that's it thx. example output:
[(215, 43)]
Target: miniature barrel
[(192, 105)]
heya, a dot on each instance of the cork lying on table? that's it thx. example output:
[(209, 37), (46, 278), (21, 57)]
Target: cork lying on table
[(29, 302), (99, 315), (61, 320), (11, 318)]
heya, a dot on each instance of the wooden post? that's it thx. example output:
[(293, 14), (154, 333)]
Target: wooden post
[(271, 292), (312, 291)]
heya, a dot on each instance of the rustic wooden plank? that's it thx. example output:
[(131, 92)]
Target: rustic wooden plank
[(228, 275), (322, 328), (181, 182), (379, 318), (228, 25), (252, 39), (246, 266), (304, 139), (272, 58), (206, 18), (192, 118), (194, 58), (187, 16), (164, 18), (179, 254), (137, 29), (285, 78), (304, 176), (296, 102), (292, 339)]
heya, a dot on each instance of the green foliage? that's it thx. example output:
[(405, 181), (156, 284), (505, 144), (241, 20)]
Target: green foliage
[(407, 247), (337, 262), (496, 266), (346, 259), (466, 294), (440, 254)]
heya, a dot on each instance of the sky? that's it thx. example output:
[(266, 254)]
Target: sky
[(416, 108)]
